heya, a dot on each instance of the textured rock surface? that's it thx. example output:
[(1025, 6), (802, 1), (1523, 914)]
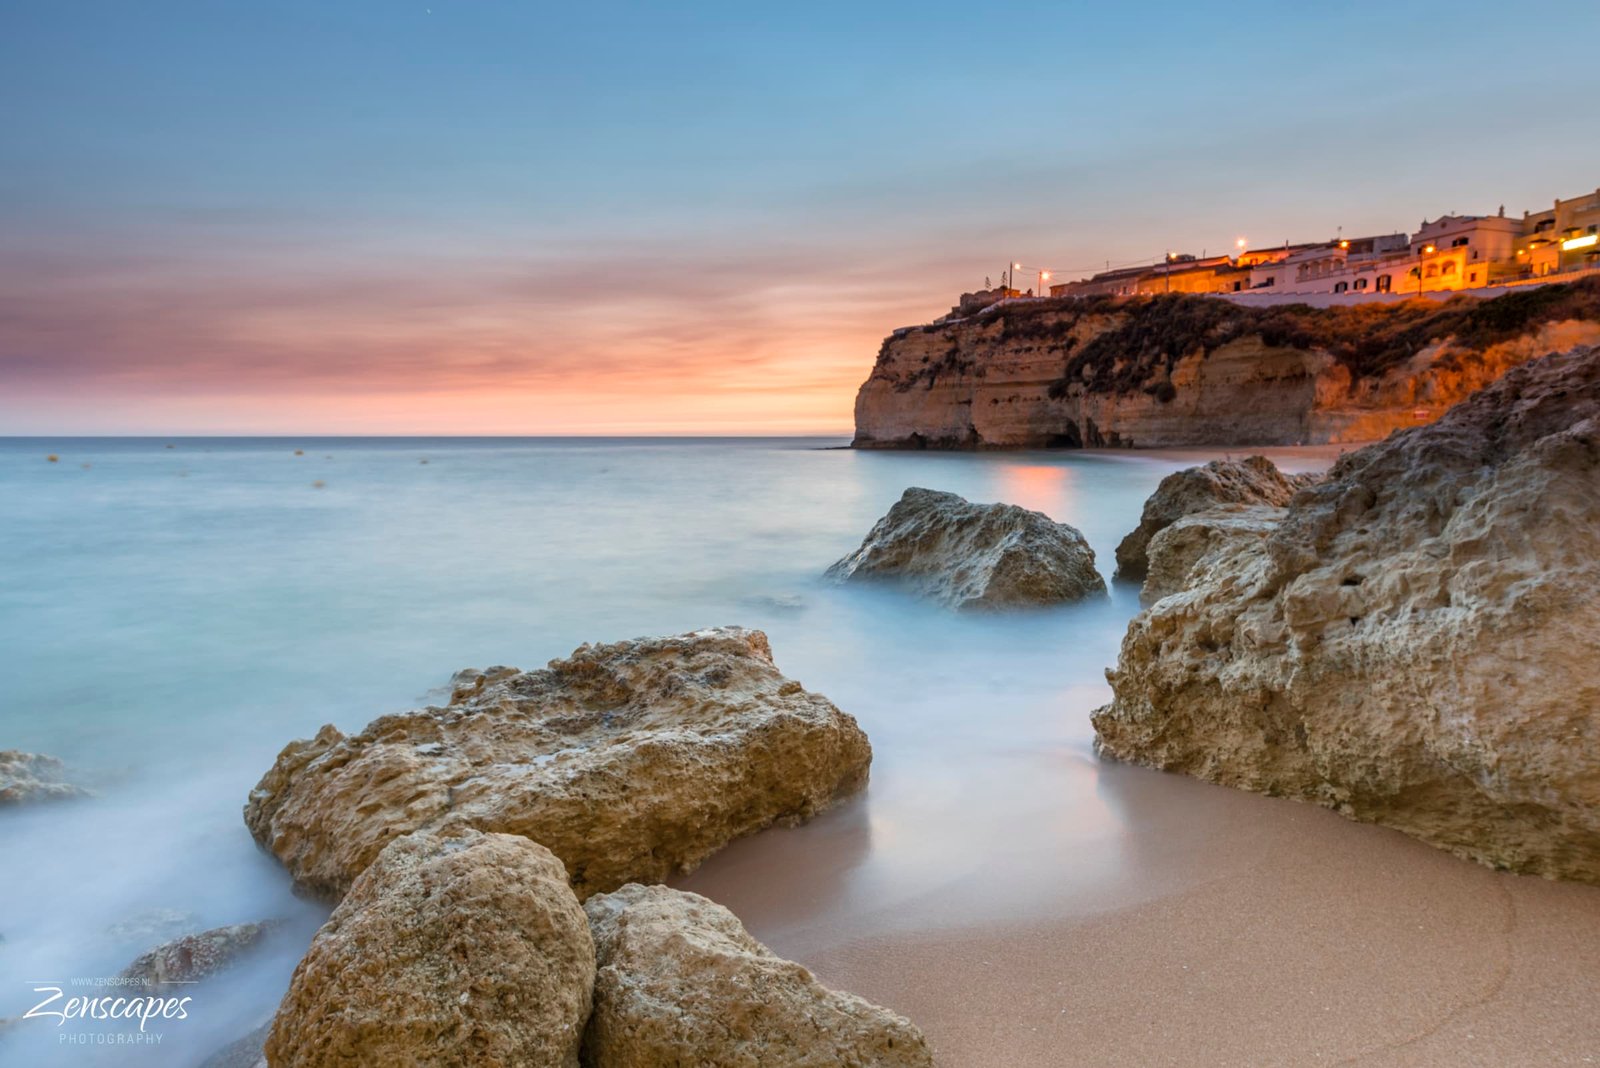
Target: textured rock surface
[(29, 777), (681, 982), (1200, 372), (1254, 480), (1417, 643), (192, 957), (465, 950), (1179, 546), (974, 556), (629, 761)]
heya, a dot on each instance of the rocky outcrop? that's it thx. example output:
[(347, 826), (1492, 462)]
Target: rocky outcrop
[(192, 957), (681, 982), (974, 556), (30, 777), (1416, 643), (629, 761), (1220, 483), (1202, 371), (450, 950), (1179, 546)]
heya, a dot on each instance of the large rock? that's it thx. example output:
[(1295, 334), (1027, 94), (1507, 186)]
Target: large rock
[(974, 556), (1220, 483), (29, 777), (629, 761), (1417, 643), (681, 982), (458, 950)]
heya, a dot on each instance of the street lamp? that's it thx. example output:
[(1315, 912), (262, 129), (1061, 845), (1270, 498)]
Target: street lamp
[(1427, 250)]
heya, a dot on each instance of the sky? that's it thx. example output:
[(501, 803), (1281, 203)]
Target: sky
[(452, 217)]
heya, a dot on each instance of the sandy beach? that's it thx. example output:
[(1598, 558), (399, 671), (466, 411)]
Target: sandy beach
[(1266, 932)]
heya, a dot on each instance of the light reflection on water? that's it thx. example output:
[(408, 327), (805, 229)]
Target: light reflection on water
[(172, 616)]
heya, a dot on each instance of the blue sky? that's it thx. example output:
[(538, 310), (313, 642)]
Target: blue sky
[(544, 218)]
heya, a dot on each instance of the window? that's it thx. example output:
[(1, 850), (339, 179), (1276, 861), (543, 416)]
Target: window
[(1340, 287), (1383, 283), (1458, 242), (1361, 283), (1473, 277), (1448, 269)]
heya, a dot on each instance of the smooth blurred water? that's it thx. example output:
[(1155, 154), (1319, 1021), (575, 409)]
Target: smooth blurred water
[(172, 613)]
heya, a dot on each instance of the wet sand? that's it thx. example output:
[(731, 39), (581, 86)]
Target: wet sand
[(1265, 932)]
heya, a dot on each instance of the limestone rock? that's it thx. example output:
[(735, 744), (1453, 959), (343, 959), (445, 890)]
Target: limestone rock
[(1179, 546), (974, 556), (462, 950), (629, 761), (681, 982), (1252, 481), (192, 957), (1416, 644), (1218, 371), (28, 777)]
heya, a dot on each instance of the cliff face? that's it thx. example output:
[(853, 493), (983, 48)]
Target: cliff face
[(1177, 371)]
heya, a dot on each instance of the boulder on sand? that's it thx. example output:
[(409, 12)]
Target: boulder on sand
[(681, 982), (630, 762), (1254, 480), (456, 950), (974, 556), (1417, 643)]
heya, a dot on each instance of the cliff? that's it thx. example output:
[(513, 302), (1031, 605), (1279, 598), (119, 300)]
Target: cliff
[(1185, 370)]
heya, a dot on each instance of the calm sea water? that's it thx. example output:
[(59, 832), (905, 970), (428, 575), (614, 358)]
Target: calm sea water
[(171, 613)]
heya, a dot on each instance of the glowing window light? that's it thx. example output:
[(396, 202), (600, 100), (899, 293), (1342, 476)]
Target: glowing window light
[(1580, 242)]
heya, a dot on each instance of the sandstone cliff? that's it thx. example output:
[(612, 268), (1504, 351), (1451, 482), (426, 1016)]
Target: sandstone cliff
[(1182, 370), (1412, 641)]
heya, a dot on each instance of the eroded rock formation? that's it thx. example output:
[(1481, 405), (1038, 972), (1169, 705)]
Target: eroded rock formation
[(1190, 370), (629, 761), (464, 949), (1416, 643), (974, 556), (681, 982), (1254, 480)]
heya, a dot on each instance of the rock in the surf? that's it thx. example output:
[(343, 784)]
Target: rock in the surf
[(974, 556), (29, 777), (630, 761), (192, 957)]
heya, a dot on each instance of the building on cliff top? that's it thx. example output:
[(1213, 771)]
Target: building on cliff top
[(1452, 252)]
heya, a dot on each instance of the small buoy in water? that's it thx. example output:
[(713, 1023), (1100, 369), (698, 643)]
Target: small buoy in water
[(318, 484), (87, 466), (423, 460), (299, 452), (172, 446), (53, 458)]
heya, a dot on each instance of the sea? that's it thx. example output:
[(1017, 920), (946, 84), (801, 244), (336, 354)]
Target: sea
[(173, 611)]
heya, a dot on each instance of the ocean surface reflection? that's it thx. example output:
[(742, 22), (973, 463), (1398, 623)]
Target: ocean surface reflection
[(173, 613)]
